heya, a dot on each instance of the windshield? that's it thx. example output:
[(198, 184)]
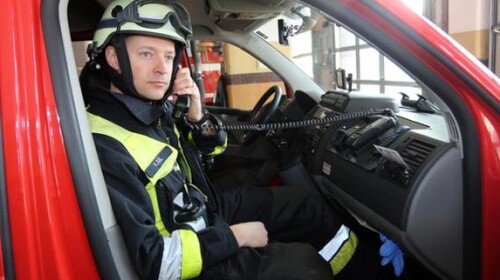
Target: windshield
[(334, 57)]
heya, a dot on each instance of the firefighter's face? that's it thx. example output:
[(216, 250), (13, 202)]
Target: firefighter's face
[(151, 61)]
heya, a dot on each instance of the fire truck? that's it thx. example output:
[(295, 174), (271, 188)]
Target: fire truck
[(427, 176)]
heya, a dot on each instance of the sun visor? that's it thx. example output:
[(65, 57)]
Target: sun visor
[(245, 15)]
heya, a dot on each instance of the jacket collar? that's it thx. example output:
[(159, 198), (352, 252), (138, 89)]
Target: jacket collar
[(145, 112)]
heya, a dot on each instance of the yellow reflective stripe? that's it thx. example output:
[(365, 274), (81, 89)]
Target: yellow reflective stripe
[(191, 254), (144, 151), (345, 253), (142, 148), (103, 126), (156, 209), (183, 163), (217, 150)]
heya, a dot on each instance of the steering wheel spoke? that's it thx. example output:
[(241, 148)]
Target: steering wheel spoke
[(262, 112)]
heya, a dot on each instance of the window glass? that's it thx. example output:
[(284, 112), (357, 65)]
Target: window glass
[(347, 60), (392, 72), (362, 42), (370, 64), (328, 47), (345, 38), (369, 88), (375, 71), (301, 44), (301, 48)]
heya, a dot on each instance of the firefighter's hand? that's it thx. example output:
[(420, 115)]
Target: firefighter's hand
[(185, 85), (250, 234)]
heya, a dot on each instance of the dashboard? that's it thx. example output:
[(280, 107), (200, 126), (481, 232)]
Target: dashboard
[(390, 174)]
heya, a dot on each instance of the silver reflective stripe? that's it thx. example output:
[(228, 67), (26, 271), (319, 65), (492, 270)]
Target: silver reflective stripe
[(172, 257), (196, 225), (332, 247)]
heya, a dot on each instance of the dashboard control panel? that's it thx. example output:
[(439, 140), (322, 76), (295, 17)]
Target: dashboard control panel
[(374, 159)]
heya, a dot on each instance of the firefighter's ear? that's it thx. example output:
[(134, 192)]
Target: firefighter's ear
[(112, 58)]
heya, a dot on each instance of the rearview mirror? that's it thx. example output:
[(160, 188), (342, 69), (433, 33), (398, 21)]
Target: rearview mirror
[(285, 31)]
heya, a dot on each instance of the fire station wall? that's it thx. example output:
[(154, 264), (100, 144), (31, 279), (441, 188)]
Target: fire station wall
[(247, 78), (80, 53), (469, 25)]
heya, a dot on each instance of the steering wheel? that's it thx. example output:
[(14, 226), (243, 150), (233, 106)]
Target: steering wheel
[(261, 113)]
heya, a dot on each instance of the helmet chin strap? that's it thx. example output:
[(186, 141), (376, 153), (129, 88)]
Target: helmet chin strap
[(124, 81)]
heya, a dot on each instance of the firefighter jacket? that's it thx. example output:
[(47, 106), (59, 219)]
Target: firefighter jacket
[(166, 209)]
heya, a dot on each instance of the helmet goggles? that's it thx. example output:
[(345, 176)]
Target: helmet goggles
[(149, 14)]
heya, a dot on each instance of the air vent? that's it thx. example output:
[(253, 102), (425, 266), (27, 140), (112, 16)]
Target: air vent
[(416, 152), (452, 127)]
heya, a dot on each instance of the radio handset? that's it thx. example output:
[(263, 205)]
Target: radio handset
[(370, 132), (181, 106)]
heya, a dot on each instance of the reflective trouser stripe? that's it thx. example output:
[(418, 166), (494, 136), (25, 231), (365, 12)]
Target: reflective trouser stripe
[(340, 249), (191, 254)]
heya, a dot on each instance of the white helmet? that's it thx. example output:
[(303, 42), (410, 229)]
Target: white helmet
[(161, 18)]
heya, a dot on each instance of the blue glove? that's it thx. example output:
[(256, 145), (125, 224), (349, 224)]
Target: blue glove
[(390, 252)]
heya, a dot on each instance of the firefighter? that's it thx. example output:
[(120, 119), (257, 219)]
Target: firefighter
[(175, 225)]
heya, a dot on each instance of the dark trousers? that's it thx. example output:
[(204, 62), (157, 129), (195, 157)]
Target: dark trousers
[(299, 224)]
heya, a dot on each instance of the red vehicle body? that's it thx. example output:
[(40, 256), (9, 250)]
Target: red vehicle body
[(43, 231), (48, 237)]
